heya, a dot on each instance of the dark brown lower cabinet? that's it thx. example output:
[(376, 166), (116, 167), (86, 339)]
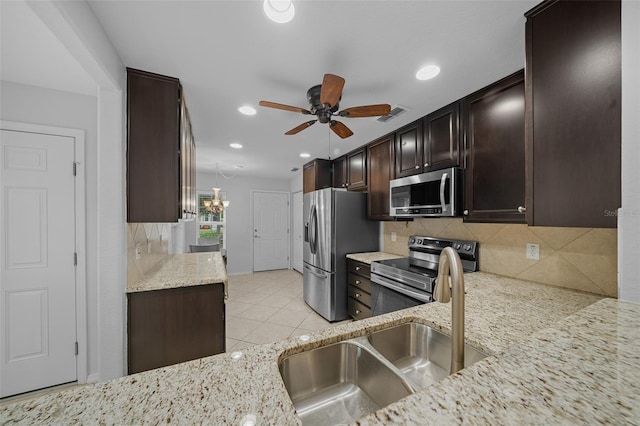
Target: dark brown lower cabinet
[(175, 325), (359, 289)]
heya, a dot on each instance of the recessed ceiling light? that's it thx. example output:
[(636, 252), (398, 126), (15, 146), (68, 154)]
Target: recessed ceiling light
[(427, 72), (247, 110), (280, 11), (235, 145), (305, 155)]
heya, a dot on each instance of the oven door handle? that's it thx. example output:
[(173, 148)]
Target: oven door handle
[(390, 284), (443, 182)]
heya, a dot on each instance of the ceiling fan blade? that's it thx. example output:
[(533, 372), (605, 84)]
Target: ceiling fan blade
[(340, 129), (300, 128), (366, 111), (331, 90), (284, 107)]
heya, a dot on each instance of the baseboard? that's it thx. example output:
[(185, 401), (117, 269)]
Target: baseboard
[(93, 378)]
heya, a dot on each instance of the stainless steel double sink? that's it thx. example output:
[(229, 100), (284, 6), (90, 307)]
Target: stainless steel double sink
[(342, 382)]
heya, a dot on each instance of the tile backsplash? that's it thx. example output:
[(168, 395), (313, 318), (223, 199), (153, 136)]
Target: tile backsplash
[(153, 242), (577, 258)]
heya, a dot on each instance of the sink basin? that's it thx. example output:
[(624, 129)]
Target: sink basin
[(340, 383), (422, 354)]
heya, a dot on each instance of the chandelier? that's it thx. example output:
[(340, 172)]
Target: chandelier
[(216, 205)]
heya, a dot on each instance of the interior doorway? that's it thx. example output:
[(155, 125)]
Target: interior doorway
[(42, 282), (270, 230)]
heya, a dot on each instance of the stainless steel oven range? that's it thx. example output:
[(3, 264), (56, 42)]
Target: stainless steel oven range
[(402, 283)]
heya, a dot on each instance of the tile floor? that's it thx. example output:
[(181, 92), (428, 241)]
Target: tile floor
[(264, 307)]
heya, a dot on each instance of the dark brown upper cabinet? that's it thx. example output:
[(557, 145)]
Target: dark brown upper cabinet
[(441, 147), (494, 134), (380, 171), (573, 113), (156, 168), (340, 172), (350, 170), (316, 174), (408, 149), (357, 170)]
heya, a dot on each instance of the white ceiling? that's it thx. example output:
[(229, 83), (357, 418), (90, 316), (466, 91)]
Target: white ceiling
[(227, 54), (32, 55)]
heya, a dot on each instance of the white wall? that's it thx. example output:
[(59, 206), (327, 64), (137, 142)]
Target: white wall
[(629, 218), (239, 240), (36, 105)]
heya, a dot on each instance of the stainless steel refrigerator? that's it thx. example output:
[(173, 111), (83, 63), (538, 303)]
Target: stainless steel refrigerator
[(335, 224)]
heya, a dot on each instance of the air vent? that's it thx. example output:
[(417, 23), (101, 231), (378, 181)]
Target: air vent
[(396, 110), (295, 169)]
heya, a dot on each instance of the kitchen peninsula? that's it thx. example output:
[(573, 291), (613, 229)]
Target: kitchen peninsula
[(557, 356), (176, 311)]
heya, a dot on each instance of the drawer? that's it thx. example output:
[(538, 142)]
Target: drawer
[(359, 268), (360, 281), (359, 295), (357, 310)]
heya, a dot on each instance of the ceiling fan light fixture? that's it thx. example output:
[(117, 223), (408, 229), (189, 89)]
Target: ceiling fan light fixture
[(247, 110), (428, 72), (279, 11)]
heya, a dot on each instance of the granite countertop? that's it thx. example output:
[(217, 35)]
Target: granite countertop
[(558, 356), (183, 270), (373, 256)]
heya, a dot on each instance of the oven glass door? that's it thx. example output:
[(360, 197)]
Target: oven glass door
[(385, 300)]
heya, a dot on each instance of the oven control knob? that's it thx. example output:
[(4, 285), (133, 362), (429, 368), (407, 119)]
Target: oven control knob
[(467, 247), (419, 241), (412, 240), (458, 246)]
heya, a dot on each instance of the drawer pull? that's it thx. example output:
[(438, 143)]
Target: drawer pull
[(357, 281), (358, 295), (357, 268), (358, 311)]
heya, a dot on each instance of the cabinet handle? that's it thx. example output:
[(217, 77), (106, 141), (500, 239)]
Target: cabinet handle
[(426, 164), (521, 209), (357, 268), (466, 212), (357, 281), (358, 311), (358, 295), (417, 167), (346, 184)]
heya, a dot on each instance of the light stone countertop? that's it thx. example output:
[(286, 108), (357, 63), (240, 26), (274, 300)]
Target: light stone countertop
[(558, 358), (183, 270), (373, 256)]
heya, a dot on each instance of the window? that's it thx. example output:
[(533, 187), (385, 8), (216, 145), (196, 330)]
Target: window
[(211, 225)]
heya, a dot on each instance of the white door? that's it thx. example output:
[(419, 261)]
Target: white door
[(270, 230), (297, 231), (37, 277)]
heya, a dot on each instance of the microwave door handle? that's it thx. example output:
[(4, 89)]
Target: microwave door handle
[(443, 182)]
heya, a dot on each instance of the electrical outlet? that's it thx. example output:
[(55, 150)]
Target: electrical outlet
[(394, 236), (138, 252), (533, 251)]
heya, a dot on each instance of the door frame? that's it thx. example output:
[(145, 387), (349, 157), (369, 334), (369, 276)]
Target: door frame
[(292, 238), (288, 193), (80, 231)]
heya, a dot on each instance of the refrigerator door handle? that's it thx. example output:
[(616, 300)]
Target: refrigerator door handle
[(313, 240), (311, 271)]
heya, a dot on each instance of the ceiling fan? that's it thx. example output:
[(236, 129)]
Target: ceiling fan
[(323, 100)]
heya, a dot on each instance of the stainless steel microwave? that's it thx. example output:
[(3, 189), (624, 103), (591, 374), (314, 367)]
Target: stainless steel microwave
[(432, 194)]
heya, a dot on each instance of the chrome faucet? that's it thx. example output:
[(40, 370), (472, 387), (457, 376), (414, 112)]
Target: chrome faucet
[(450, 264)]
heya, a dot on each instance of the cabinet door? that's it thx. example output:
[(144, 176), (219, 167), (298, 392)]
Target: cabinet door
[(573, 88), (381, 171), (357, 170), (495, 175), (340, 172), (153, 147), (409, 150), (316, 174), (442, 138)]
